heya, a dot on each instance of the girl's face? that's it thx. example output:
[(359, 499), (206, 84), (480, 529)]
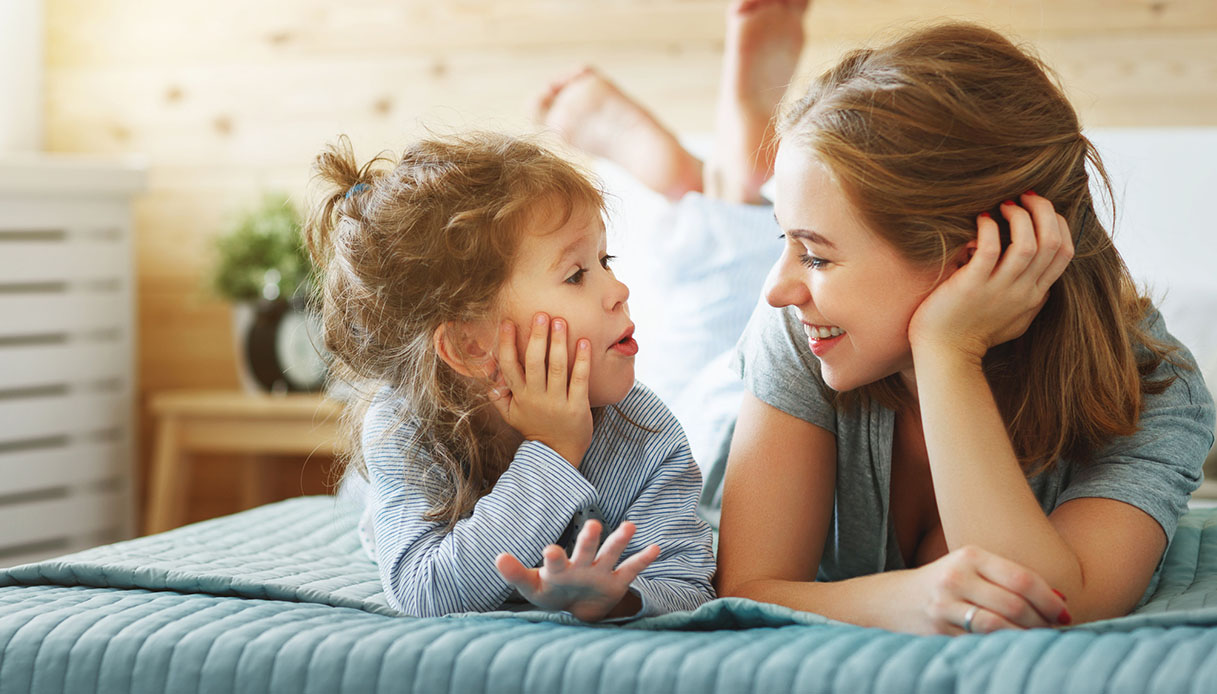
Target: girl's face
[(855, 294), (565, 273)]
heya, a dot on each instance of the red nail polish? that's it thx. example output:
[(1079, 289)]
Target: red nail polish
[(1063, 617), (1059, 594), (1008, 202), (986, 215), (1030, 192)]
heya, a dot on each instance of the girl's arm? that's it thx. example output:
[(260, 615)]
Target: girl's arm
[(670, 560), (430, 571), (777, 501)]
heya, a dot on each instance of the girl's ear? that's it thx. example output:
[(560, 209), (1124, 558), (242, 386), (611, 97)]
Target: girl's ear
[(465, 349)]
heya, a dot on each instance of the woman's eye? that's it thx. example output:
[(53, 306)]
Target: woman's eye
[(576, 278), (812, 262), (607, 260)]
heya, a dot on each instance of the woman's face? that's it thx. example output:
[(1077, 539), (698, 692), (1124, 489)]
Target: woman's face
[(854, 293)]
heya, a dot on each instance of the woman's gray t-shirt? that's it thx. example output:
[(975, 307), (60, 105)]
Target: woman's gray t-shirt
[(1156, 469)]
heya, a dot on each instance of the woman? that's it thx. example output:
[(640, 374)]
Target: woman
[(962, 416)]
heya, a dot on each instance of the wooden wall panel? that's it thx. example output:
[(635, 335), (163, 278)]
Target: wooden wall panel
[(231, 98)]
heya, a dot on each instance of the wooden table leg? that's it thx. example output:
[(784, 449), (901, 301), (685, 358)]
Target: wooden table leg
[(167, 501), (256, 480)]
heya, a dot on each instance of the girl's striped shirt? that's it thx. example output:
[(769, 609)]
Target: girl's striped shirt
[(644, 474)]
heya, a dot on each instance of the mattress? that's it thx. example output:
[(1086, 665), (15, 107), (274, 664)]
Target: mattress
[(281, 599)]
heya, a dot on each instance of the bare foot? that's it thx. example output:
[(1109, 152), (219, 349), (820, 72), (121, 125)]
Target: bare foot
[(592, 114), (764, 39)]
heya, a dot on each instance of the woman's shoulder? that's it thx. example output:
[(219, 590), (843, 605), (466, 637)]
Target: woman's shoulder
[(1177, 362)]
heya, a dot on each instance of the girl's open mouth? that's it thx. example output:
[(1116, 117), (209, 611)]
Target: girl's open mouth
[(626, 345)]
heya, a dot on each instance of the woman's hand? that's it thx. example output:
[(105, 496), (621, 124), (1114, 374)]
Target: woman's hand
[(994, 297), (974, 591), (537, 401), (586, 585)]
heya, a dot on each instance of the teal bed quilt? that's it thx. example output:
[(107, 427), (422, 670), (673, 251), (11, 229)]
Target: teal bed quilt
[(281, 599)]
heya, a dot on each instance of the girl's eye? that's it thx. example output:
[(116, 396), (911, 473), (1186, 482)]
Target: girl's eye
[(812, 261), (607, 260), (576, 278)]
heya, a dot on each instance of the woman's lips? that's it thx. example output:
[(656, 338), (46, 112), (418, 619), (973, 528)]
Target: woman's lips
[(820, 345)]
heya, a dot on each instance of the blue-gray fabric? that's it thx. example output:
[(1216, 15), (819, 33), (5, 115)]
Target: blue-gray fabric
[(637, 468), (283, 599), (1155, 469)]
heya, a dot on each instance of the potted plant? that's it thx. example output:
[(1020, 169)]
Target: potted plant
[(263, 269)]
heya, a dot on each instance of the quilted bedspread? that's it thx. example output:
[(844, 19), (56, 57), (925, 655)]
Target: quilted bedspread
[(281, 599)]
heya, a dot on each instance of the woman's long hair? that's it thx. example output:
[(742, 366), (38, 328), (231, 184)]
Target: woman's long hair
[(946, 122), (406, 246)]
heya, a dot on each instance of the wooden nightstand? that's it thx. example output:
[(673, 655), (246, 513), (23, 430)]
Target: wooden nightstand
[(211, 421)]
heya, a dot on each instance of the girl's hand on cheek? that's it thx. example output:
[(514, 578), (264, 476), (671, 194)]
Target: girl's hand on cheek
[(587, 585), (537, 400), (994, 297)]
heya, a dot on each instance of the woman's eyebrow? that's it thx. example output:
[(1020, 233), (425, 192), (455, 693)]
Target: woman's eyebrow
[(813, 236)]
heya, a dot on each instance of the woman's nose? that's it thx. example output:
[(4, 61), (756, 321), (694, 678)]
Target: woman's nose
[(785, 286)]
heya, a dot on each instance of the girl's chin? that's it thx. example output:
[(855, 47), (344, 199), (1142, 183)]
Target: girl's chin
[(606, 397)]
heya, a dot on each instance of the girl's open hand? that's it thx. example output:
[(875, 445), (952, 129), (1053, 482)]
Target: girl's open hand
[(971, 590), (586, 585), (537, 401), (994, 297)]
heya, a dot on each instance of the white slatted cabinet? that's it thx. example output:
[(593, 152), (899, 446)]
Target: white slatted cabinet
[(67, 355)]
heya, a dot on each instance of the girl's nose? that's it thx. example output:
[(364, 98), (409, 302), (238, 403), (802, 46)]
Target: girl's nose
[(617, 295), (785, 285)]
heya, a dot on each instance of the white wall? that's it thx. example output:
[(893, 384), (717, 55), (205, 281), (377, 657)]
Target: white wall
[(21, 58)]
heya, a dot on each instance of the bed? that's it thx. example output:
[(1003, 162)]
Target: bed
[(281, 599)]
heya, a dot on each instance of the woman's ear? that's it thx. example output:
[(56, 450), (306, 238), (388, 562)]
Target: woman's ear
[(466, 349), (964, 254)]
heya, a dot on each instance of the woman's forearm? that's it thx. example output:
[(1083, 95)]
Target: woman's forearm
[(876, 600), (983, 497)]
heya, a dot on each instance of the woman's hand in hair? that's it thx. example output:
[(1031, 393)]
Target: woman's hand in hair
[(589, 584), (538, 400), (1005, 595), (993, 296)]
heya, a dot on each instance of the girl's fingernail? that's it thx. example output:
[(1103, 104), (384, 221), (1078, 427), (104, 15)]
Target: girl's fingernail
[(1030, 192), (1059, 594), (583, 345), (558, 325), (1008, 202), (986, 215), (540, 319), (1063, 617)]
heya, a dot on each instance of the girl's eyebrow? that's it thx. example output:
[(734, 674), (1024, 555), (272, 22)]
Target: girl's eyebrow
[(813, 236), (568, 250)]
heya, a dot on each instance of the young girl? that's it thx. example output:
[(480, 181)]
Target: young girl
[(439, 272), (963, 411)]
